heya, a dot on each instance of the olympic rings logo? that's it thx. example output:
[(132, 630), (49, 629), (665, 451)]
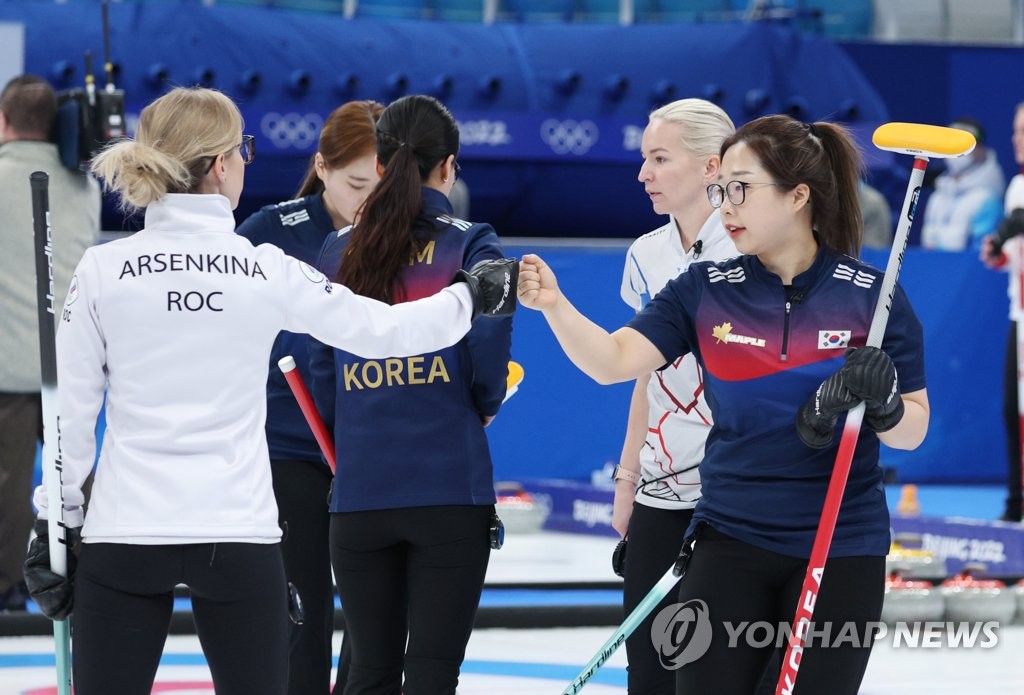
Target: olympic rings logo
[(292, 130), (569, 137)]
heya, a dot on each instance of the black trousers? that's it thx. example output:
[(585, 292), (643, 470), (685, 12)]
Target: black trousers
[(301, 489), (655, 537), (410, 582), (1011, 419), (742, 583), (124, 597), (21, 428)]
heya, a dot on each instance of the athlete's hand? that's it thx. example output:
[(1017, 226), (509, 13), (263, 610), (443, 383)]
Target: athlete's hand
[(990, 254), (490, 283), (53, 593), (538, 288), (871, 375), (622, 506), (868, 375)]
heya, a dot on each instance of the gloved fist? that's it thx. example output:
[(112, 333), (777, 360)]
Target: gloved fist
[(619, 558), (493, 286), (871, 375), (1010, 227), (816, 419), (868, 375), (53, 593)]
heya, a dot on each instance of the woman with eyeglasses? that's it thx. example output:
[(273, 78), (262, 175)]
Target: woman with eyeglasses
[(174, 325), (413, 498), (657, 482), (341, 174), (773, 330)]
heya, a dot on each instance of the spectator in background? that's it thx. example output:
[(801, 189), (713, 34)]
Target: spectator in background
[(967, 203), (28, 108), (1005, 250), (340, 176), (877, 217)]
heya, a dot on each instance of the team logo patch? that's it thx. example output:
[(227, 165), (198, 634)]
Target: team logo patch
[(294, 218), (857, 277), (723, 334), (72, 292), (735, 275), (833, 340), (312, 273)]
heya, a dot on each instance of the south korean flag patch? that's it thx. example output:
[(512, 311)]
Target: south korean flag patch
[(833, 340)]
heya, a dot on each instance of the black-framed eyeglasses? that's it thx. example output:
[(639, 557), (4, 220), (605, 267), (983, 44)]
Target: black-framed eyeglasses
[(736, 191), (247, 148)]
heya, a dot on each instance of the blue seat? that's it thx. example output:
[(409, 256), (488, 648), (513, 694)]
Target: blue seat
[(459, 10), (681, 10), (844, 19), (597, 11), (536, 10), (393, 9)]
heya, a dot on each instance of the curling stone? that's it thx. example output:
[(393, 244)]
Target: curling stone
[(970, 598), (911, 561), (520, 511), (911, 601)]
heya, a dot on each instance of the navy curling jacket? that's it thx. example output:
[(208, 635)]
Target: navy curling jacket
[(765, 348), (408, 431), (297, 227)]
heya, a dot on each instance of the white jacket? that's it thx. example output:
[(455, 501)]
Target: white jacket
[(679, 418), (176, 322), (964, 208)]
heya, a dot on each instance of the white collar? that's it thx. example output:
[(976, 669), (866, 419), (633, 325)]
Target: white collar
[(190, 213)]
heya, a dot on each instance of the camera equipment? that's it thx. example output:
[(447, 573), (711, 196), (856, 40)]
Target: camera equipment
[(87, 119)]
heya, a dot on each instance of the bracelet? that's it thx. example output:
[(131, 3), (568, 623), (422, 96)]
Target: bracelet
[(626, 474)]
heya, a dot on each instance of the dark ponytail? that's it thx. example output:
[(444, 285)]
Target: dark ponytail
[(414, 135)]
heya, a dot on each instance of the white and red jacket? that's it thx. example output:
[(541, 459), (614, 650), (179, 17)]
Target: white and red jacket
[(679, 418)]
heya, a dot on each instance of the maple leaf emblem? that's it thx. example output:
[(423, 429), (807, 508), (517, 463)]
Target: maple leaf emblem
[(722, 332)]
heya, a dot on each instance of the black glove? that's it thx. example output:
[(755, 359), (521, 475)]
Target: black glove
[(871, 376), (296, 611), (53, 593), (493, 286), (1010, 227), (816, 419), (619, 558), (868, 375)]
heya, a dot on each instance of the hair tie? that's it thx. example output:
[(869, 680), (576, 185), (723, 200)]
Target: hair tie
[(809, 127), (389, 136)]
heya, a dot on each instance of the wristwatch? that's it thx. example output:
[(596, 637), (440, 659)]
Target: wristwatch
[(625, 474)]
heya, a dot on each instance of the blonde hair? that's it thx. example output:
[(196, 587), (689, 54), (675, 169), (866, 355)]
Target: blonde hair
[(705, 125), (177, 137)]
